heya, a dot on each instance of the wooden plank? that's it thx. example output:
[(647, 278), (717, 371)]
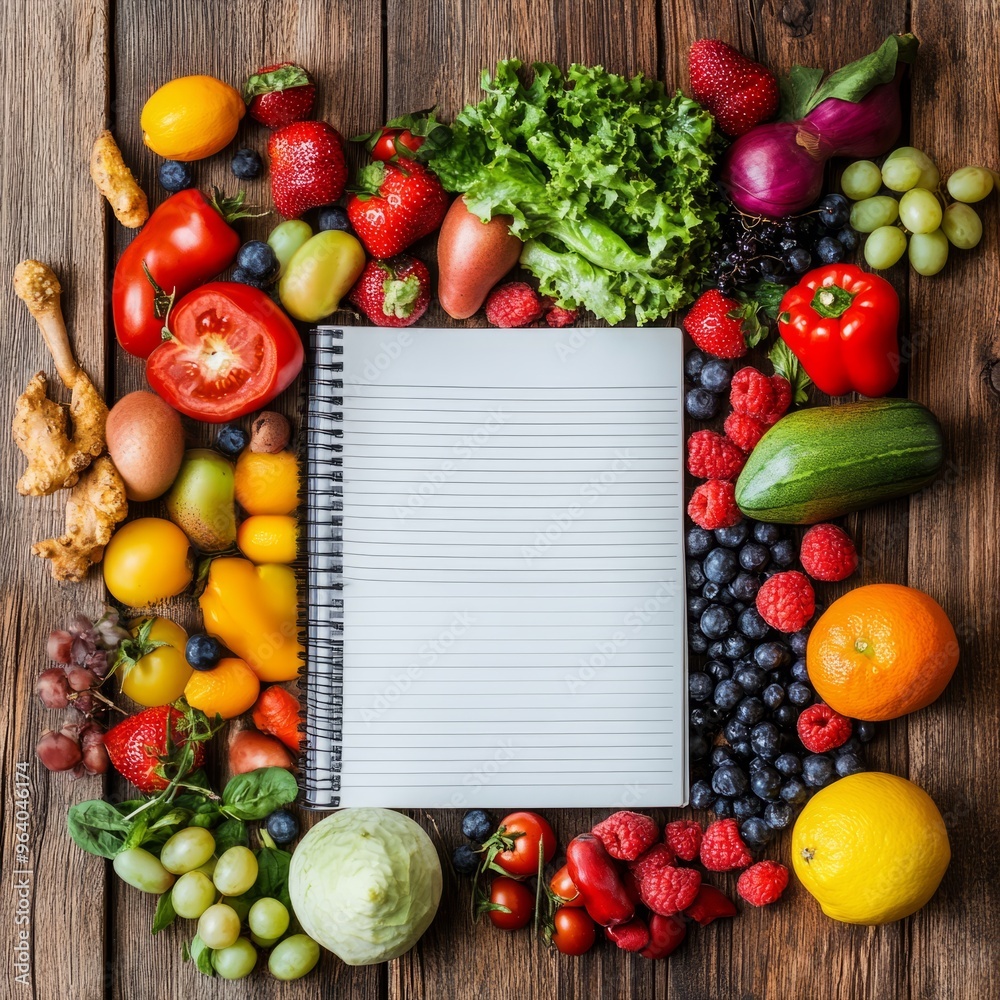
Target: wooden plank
[(341, 45), (49, 210), (953, 533)]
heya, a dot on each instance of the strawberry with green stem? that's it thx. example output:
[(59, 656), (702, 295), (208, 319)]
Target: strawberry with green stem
[(393, 292)]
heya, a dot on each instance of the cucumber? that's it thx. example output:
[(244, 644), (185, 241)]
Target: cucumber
[(826, 461)]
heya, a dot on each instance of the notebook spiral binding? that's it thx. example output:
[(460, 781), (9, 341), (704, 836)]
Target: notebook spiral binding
[(323, 678)]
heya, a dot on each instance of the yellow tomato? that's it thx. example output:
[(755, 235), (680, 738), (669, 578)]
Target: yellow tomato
[(157, 677), (268, 538), (267, 484), (147, 560), (191, 117), (229, 689)]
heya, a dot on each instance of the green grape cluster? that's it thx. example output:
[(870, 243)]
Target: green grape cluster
[(917, 216)]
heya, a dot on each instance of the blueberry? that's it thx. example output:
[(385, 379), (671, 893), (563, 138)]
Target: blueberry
[(175, 176), (694, 361), (333, 217), (752, 625), (283, 826), (783, 552), (750, 711), (834, 211), (716, 375), (766, 534), (696, 607), (718, 670), (852, 745), (721, 565), (203, 651), (723, 808), (754, 557), (848, 239), (465, 860), (700, 404), (786, 716), (735, 731), (717, 650), (788, 764), (817, 770), (696, 577), (766, 740), (799, 641), (799, 671), (778, 815), (730, 781), (766, 783), (697, 643), (798, 260), (698, 746), (743, 750), (721, 756), (714, 716), (715, 593), (865, 731), (751, 679), (756, 764), (771, 655), (246, 164), (800, 694), (744, 587), (728, 694), (702, 795), (736, 646), (746, 806), (243, 277), (830, 251), (716, 621), (794, 792), (258, 260), (231, 440), (696, 718), (849, 763), (755, 832), (477, 825), (699, 542), (699, 686), (732, 537)]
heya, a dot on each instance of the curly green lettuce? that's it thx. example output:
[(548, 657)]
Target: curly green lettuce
[(608, 180)]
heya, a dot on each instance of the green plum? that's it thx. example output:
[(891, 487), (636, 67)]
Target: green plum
[(202, 500), (287, 237), (319, 274)]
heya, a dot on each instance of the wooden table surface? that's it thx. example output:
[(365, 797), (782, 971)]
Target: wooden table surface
[(72, 67)]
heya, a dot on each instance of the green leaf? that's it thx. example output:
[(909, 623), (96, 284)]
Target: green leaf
[(98, 827), (767, 295), (788, 366), (165, 914), (257, 794), (796, 87), (272, 875), (176, 817), (201, 955), (231, 833)]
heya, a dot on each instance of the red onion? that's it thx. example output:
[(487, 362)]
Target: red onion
[(777, 169)]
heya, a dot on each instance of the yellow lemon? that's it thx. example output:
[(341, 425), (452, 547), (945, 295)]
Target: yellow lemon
[(872, 848), (191, 117)]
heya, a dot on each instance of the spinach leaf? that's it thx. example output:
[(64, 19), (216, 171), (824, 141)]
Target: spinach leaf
[(231, 833), (175, 817), (272, 875), (97, 827), (165, 914), (257, 794)]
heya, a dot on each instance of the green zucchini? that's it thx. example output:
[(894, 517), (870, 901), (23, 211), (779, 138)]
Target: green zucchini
[(826, 461)]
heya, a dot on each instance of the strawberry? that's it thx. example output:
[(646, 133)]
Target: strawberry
[(279, 95), (145, 753), (396, 205), (739, 92), (308, 168), (720, 326), (393, 292)]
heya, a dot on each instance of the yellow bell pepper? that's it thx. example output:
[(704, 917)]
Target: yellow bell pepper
[(253, 611)]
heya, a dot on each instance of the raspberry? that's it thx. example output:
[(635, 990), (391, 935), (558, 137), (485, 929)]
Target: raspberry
[(756, 395), (625, 835), (712, 456), (744, 431), (722, 847), (657, 857), (786, 601), (713, 505), (763, 883), (821, 728), (559, 317), (716, 323), (670, 890), (513, 304), (709, 905), (665, 935), (633, 936), (827, 553), (683, 836)]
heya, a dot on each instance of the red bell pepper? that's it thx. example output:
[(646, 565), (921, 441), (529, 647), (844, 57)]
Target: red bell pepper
[(595, 876), (840, 322), (184, 243)]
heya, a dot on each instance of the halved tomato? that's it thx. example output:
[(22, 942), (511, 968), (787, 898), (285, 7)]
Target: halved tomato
[(230, 351)]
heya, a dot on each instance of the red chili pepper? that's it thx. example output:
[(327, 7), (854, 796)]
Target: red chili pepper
[(840, 322), (595, 875), (185, 242)]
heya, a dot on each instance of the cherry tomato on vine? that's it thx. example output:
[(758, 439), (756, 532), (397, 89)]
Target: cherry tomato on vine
[(527, 829), (385, 145), (561, 885), (518, 899), (575, 931)]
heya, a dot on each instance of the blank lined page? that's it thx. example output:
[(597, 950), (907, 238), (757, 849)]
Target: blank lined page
[(512, 544)]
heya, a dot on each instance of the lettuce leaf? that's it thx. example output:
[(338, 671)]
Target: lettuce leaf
[(608, 181)]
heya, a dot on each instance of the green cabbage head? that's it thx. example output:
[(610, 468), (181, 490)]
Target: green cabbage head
[(365, 884)]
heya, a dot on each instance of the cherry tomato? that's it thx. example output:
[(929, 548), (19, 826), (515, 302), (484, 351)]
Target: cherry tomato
[(522, 858), (562, 886), (231, 351), (518, 899), (147, 560), (575, 931), (158, 676), (385, 145)]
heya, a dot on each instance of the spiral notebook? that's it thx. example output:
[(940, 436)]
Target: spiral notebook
[(496, 613)]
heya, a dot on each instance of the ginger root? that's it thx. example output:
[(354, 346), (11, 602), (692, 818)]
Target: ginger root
[(96, 504), (115, 181), (40, 427)]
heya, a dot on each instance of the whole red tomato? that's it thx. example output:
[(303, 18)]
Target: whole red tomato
[(517, 900), (230, 351), (385, 145), (574, 931), (561, 885), (526, 829)]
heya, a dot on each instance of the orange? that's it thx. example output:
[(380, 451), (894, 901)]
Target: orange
[(266, 483), (881, 651), (229, 689)]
